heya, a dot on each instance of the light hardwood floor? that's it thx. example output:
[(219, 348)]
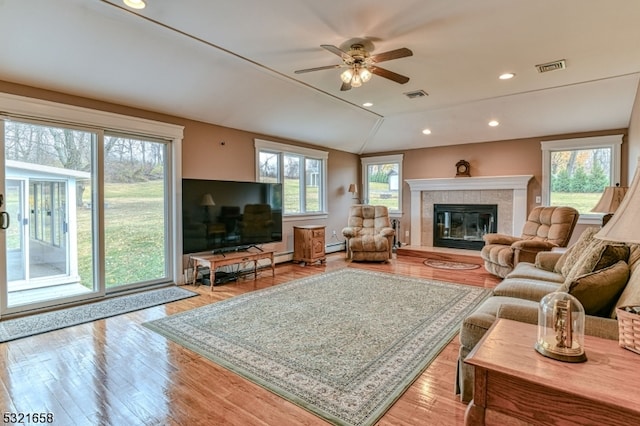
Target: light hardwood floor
[(116, 372)]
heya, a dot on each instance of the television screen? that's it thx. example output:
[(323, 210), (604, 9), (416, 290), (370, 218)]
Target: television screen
[(222, 216)]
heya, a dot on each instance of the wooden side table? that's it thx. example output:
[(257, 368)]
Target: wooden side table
[(516, 385), (308, 244)]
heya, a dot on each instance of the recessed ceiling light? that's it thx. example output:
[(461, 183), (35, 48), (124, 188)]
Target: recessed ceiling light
[(506, 76), (367, 104), (494, 123), (427, 131), (135, 4)]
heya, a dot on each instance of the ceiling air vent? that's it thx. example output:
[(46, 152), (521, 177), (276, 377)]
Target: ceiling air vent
[(552, 66), (416, 94)]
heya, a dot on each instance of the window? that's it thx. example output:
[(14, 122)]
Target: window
[(302, 171), (382, 177), (135, 200), (575, 172)]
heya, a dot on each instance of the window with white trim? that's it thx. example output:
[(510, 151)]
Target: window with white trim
[(302, 171), (382, 181), (575, 172)]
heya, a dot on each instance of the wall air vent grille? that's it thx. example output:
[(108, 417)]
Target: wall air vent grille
[(416, 94), (552, 66)]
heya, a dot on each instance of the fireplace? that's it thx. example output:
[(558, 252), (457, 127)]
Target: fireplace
[(509, 193), (463, 225)]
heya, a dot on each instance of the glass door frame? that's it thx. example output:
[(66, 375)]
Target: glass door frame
[(21, 108), (97, 290)]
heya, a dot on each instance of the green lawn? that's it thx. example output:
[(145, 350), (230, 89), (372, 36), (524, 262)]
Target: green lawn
[(134, 234), (380, 195), (583, 202)]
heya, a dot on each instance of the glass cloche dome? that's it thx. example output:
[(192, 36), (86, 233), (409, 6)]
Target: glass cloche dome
[(561, 328)]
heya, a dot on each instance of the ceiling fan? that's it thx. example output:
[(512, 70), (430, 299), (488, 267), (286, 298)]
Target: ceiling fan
[(360, 64)]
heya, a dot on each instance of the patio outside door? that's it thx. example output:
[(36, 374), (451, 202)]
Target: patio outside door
[(48, 216), (16, 253)]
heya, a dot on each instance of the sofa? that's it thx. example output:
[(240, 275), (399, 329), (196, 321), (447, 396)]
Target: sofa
[(602, 275)]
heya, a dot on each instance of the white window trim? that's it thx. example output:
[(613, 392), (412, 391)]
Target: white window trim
[(383, 159), (22, 107), (614, 142), (264, 145)]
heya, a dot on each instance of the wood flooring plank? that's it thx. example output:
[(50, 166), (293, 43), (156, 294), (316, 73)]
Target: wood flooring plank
[(116, 371)]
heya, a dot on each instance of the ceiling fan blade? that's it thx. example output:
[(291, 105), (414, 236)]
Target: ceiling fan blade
[(345, 87), (336, 51), (389, 74), (392, 54), (327, 67)]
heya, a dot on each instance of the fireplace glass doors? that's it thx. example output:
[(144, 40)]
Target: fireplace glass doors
[(463, 225)]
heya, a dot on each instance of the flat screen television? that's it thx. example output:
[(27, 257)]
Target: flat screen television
[(221, 216)]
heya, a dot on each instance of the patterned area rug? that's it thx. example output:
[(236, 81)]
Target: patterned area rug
[(445, 264), (343, 345), (41, 323)]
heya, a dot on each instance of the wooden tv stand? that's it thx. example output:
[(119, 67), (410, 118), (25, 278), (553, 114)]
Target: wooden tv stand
[(213, 261)]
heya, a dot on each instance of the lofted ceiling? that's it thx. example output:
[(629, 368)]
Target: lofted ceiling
[(232, 63)]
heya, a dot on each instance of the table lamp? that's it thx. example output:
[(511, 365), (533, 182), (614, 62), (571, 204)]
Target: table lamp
[(624, 226), (610, 201)]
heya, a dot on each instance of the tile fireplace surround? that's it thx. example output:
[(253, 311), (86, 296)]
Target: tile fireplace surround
[(509, 193)]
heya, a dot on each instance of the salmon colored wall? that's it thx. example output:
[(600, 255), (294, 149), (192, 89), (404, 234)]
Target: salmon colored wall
[(502, 158), (216, 152), (205, 156)]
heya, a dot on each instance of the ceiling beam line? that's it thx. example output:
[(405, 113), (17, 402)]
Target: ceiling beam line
[(236, 55)]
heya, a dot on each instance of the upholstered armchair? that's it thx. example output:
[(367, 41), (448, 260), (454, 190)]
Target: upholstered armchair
[(256, 224), (546, 228), (369, 235)]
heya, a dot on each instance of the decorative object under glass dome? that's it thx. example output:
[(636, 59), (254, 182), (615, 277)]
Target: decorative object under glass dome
[(561, 328)]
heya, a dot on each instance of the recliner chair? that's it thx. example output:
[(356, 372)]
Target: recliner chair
[(369, 235), (546, 228)]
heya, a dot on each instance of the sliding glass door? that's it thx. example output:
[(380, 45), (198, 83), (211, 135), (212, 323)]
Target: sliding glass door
[(50, 239), (135, 211), (86, 213)]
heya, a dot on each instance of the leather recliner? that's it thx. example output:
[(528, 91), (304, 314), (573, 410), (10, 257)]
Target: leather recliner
[(369, 235), (546, 228)]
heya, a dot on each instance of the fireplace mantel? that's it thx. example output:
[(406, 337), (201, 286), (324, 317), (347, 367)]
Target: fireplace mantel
[(518, 184)]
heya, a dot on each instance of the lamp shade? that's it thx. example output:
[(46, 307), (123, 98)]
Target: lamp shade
[(207, 200), (353, 188), (611, 199), (624, 225)]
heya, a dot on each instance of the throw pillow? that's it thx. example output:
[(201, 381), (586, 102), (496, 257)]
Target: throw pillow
[(570, 257), (598, 254), (598, 291)]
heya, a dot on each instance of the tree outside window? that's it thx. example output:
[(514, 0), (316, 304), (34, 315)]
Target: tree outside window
[(383, 181), (576, 171)]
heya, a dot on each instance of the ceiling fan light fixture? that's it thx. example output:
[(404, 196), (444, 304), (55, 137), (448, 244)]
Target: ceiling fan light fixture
[(356, 81), (135, 4), (365, 74), (347, 75)]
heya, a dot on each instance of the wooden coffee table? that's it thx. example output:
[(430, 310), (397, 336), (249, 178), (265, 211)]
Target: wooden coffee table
[(516, 385)]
